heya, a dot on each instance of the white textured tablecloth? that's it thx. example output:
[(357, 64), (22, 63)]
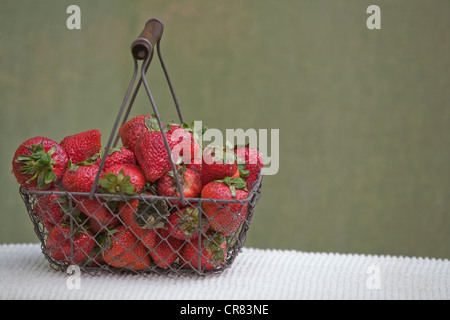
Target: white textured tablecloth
[(255, 274)]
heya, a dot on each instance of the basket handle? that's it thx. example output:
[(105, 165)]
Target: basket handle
[(142, 49), (150, 35)]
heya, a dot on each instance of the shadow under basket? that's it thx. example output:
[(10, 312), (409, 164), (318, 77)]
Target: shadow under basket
[(168, 237)]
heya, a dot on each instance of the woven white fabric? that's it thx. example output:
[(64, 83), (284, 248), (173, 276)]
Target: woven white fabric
[(255, 274)]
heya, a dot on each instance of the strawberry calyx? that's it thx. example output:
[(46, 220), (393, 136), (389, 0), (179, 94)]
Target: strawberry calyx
[(181, 170), (150, 188), (152, 124), (110, 152), (105, 240), (197, 134), (233, 184), (88, 162), (153, 215), (39, 164), (117, 183), (214, 244), (242, 172), (220, 154), (189, 221)]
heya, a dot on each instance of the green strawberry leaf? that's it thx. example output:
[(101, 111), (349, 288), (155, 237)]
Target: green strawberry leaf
[(88, 162), (104, 239), (242, 172), (110, 152), (39, 164), (115, 149), (233, 184), (220, 154), (152, 123), (214, 245), (49, 177)]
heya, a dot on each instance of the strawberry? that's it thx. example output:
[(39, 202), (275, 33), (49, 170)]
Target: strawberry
[(184, 224), (60, 242), (116, 156), (191, 184), (185, 148), (83, 145), (195, 165), (166, 251), (152, 156), (130, 131), (123, 250), (39, 163), (212, 252), (144, 219), (217, 163), (50, 208), (225, 217), (80, 177), (151, 152), (252, 162), (124, 178), (96, 257), (100, 213)]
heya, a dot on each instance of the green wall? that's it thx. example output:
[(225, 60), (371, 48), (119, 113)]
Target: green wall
[(363, 114)]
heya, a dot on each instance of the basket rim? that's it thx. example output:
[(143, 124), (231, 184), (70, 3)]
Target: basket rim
[(151, 198)]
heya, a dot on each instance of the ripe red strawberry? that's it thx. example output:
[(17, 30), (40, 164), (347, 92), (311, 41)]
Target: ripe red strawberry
[(39, 163), (196, 165), (143, 219), (252, 166), (190, 183), (130, 131), (184, 224), (217, 163), (80, 178), (83, 145), (96, 258), (60, 241), (166, 250), (117, 156), (152, 156), (225, 217), (124, 178), (99, 212), (124, 250), (212, 252), (185, 149), (50, 208)]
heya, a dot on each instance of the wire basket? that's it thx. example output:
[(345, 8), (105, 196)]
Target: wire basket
[(145, 233)]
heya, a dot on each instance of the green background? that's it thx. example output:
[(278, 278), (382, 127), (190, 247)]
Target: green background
[(363, 114)]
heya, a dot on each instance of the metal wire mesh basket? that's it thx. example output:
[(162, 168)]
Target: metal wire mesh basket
[(144, 233)]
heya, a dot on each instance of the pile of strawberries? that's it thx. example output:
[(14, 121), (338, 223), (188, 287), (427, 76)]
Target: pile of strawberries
[(136, 218)]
